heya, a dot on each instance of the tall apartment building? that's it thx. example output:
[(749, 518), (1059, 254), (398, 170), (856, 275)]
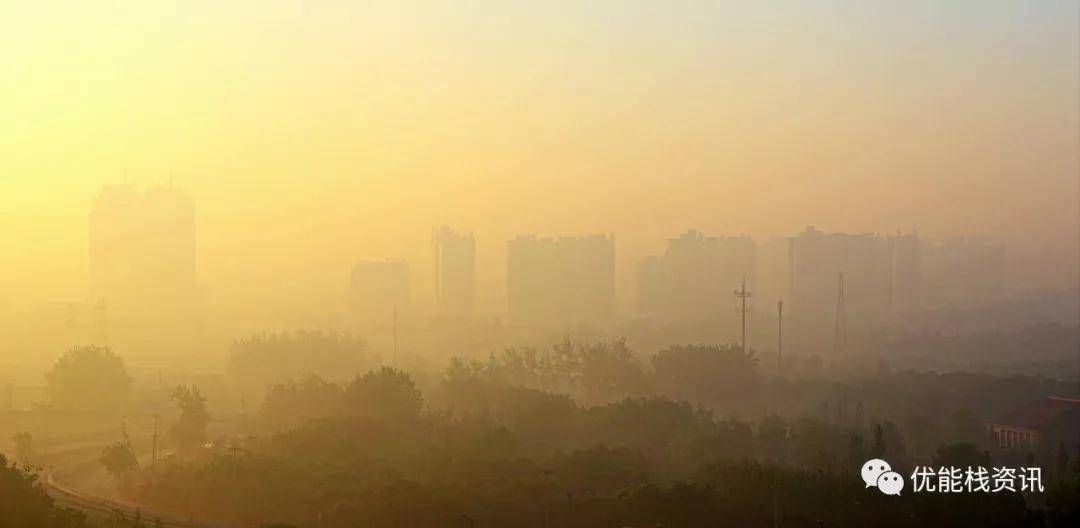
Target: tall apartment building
[(566, 280), (773, 273), (818, 259), (695, 277), (907, 265), (455, 272)]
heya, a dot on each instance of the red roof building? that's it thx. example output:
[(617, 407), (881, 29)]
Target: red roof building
[(1039, 426)]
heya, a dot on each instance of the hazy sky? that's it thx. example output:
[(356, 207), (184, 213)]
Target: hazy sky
[(314, 133)]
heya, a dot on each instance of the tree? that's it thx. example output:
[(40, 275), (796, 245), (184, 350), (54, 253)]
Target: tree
[(772, 439), (292, 403), (264, 359), (878, 450), (89, 378), (961, 454), (610, 372), (189, 431), (965, 427), (709, 375), (896, 447), (119, 460), (384, 393), (24, 447), (23, 502)]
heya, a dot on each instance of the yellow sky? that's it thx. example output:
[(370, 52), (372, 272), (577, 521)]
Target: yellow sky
[(312, 134)]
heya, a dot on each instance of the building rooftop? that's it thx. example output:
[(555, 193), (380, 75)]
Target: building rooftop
[(1038, 413)]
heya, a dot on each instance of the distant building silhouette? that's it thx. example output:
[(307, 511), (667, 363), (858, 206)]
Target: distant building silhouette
[(962, 271), (455, 272), (773, 272), (693, 280), (142, 252), (567, 280), (818, 258), (379, 289), (907, 283)]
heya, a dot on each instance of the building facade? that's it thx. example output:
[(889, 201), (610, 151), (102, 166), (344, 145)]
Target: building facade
[(566, 280), (455, 272), (695, 277)]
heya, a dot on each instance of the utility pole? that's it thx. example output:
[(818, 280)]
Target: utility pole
[(840, 330), (395, 337), (153, 449), (779, 336), (742, 295)]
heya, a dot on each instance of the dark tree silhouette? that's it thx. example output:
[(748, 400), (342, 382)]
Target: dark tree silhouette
[(385, 393), (89, 378), (119, 460), (189, 431), (24, 447)]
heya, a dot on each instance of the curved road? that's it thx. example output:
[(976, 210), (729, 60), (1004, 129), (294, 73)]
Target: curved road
[(66, 494)]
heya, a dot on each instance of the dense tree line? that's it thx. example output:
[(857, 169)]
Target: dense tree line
[(488, 445), (259, 360), (576, 434)]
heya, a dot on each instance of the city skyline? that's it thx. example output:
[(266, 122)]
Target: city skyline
[(143, 253), (336, 131)]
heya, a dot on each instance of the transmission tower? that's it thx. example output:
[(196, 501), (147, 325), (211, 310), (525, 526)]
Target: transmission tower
[(840, 331), (743, 295), (779, 336)]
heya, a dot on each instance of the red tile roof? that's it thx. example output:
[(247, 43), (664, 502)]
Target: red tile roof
[(1038, 413)]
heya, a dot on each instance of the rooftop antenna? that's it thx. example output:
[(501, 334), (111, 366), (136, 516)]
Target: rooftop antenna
[(743, 295), (395, 338), (840, 330)]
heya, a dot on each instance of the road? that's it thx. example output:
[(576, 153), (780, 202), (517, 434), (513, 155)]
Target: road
[(64, 493)]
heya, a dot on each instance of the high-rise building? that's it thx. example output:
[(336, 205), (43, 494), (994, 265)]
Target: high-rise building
[(142, 252), (695, 277), (773, 273), (455, 272), (818, 259), (566, 280), (378, 290), (906, 272)]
